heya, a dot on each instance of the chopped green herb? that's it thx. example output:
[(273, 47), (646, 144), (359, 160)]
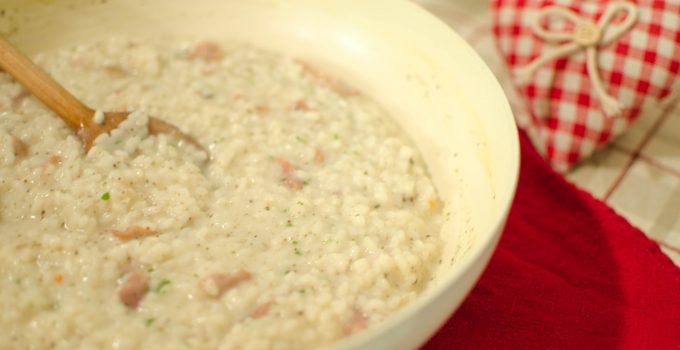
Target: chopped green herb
[(289, 223), (106, 196), (162, 284), (301, 140), (298, 252), (294, 242), (336, 136), (17, 281), (303, 291), (149, 321)]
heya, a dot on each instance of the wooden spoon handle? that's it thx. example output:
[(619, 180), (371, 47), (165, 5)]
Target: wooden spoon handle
[(42, 86)]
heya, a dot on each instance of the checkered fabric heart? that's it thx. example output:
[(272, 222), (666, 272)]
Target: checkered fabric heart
[(587, 68)]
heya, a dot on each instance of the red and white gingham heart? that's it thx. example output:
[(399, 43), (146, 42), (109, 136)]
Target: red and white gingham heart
[(587, 68)]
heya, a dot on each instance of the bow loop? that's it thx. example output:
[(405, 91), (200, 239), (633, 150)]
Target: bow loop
[(553, 14), (613, 31), (586, 36)]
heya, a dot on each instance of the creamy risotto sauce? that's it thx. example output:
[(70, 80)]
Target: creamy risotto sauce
[(311, 218)]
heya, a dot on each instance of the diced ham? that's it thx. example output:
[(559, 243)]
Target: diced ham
[(289, 178), (341, 88), (115, 71), (357, 323), (260, 311), (293, 183), (301, 105), (22, 246), (260, 108), (20, 147), (332, 83), (133, 290), (52, 161), (133, 232), (286, 166), (216, 284), (207, 51), (319, 157), (19, 98)]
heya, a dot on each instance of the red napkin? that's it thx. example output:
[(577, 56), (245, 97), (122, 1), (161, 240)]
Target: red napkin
[(569, 273)]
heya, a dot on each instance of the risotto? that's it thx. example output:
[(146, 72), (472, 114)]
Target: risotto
[(311, 218)]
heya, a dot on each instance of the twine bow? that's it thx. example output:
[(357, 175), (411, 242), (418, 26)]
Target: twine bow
[(586, 36)]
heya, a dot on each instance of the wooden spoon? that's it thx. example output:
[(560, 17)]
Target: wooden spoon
[(77, 115)]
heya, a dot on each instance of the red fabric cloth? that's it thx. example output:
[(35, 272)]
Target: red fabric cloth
[(569, 273)]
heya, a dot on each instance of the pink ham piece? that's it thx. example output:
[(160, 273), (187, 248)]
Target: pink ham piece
[(319, 157), (357, 323), (216, 284), (338, 86), (133, 290), (20, 147), (133, 232), (289, 178), (260, 311), (207, 51)]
